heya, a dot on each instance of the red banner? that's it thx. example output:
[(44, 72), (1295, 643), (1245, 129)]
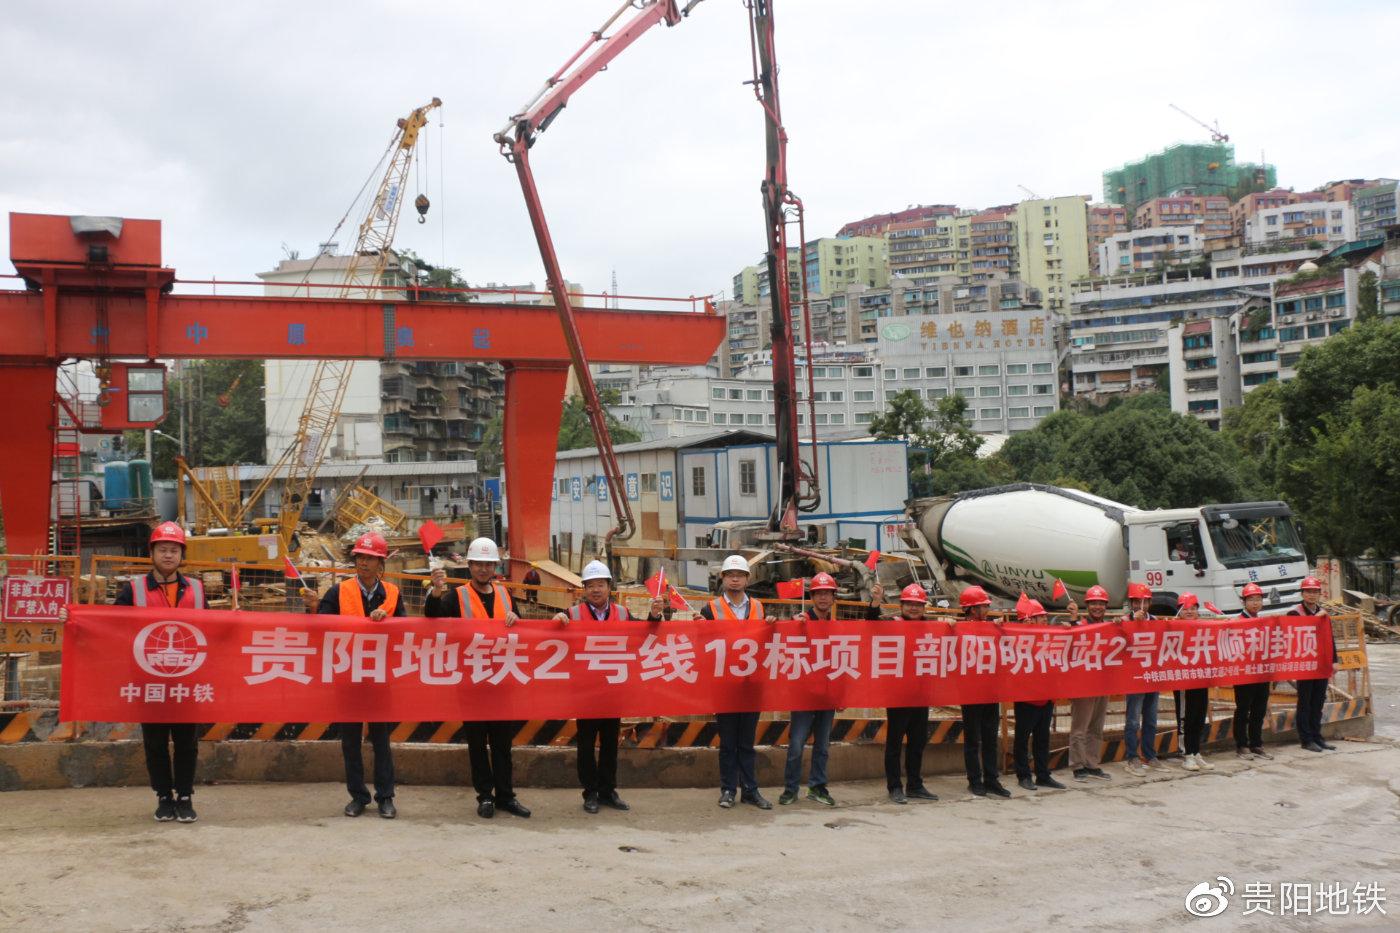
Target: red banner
[(161, 665)]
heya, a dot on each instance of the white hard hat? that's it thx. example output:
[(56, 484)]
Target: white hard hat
[(596, 570), (483, 549), (734, 562)]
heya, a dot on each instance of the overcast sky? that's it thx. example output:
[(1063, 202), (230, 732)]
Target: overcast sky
[(247, 125)]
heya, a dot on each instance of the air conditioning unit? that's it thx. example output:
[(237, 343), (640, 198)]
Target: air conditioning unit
[(1336, 312)]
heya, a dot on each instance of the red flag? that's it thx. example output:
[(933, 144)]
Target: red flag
[(873, 559), (1059, 591), (292, 572), (429, 534), (1023, 605), (677, 600), (790, 589), (1212, 608), (236, 582), (656, 584)]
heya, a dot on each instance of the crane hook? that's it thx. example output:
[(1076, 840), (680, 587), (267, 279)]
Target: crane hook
[(421, 203)]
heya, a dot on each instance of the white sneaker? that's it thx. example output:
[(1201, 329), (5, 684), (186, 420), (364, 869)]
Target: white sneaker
[(1157, 764), (1135, 768), (1190, 764), (1205, 765)]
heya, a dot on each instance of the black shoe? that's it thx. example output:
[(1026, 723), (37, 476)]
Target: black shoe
[(897, 795), (1050, 782), (1081, 774), (611, 799), (1260, 753), (922, 793), (356, 807), (996, 788), (184, 810), (726, 799), (1312, 747), (1099, 773), (387, 808), (1026, 783), (515, 807), (977, 790), (754, 798), (165, 809), (590, 803), (485, 809), (1327, 747)]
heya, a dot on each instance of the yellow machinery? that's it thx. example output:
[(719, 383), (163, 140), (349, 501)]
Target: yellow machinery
[(326, 393)]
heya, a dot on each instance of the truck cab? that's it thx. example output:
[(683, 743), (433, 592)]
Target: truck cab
[(1214, 551)]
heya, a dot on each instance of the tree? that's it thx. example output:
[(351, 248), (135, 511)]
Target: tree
[(942, 445), (224, 424), (1367, 354), (1346, 483), (1368, 298), (1256, 431)]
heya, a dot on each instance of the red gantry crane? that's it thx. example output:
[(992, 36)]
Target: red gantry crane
[(798, 481)]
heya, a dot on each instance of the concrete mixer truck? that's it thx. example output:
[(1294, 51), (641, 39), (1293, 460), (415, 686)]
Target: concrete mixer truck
[(1024, 536)]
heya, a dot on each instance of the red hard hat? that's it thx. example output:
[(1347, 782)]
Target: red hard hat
[(1310, 583), (1139, 591), (1096, 594), (913, 593), (1251, 589), (372, 544), (1029, 609), (822, 581), (1187, 601), (167, 531), (974, 596)]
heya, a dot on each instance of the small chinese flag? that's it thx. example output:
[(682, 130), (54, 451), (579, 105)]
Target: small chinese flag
[(790, 589), (1058, 591), (677, 600), (292, 572), (1212, 608), (429, 534), (873, 559), (656, 583), (1023, 604)]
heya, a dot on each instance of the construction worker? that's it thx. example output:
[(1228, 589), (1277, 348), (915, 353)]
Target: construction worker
[(981, 721), (1033, 720), (165, 586), (1140, 720), (737, 731), (488, 742), (365, 594), (597, 769), (906, 727), (816, 723), (1312, 694), (1251, 700), (1086, 714), (1195, 702)]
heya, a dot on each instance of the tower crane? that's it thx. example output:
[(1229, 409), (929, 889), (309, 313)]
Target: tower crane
[(1216, 134)]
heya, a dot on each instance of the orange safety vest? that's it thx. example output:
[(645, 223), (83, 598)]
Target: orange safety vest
[(352, 604), (191, 598), (473, 608), (719, 608), (616, 613)]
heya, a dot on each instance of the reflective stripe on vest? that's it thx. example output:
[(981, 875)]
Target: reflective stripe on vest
[(474, 608), (353, 604), (191, 595), (616, 613), (720, 609)]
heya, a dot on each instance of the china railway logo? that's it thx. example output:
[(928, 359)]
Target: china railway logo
[(170, 649)]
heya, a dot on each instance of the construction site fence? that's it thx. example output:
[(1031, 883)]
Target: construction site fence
[(32, 678)]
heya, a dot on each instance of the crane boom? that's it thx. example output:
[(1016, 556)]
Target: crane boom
[(1216, 136)]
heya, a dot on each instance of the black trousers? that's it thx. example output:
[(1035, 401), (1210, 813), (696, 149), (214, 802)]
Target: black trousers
[(738, 761), (491, 766), (1032, 739), (1197, 702), (905, 726), (351, 734), (597, 770), (981, 722), (1312, 694), (1251, 704), (168, 781)]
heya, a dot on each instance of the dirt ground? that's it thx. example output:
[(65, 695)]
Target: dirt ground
[(1103, 856)]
